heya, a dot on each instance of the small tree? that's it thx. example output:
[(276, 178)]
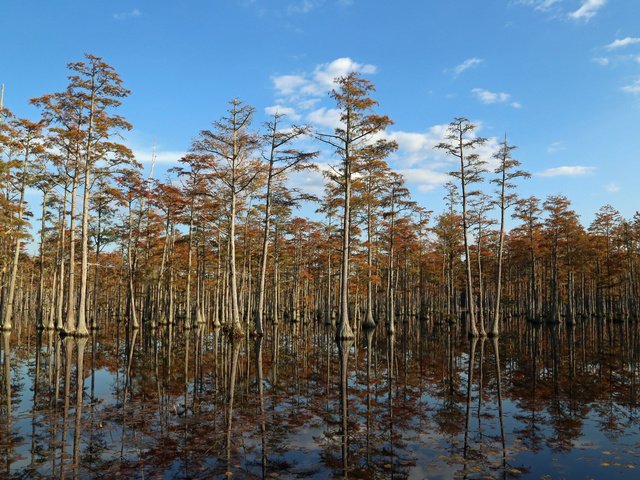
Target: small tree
[(396, 200), (371, 186), (528, 211)]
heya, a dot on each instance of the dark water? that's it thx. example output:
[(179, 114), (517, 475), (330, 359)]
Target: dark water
[(539, 403)]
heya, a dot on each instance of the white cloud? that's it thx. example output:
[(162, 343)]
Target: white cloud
[(540, 5), (292, 7), (622, 42), (587, 10), (325, 74), (612, 187), (602, 61), (425, 178), (556, 147), (633, 89), (544, 5), (308, 104), (309, 181), (425, 166), (288, 111), (125, 15), (488, 97), (567, 171), (550, 8), (162, 156), (325, 117), (302, 7), (419, 147), (466, 65), (302, 88), (288, 84)]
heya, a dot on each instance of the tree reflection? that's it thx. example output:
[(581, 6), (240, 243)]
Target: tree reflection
[(193, 404)]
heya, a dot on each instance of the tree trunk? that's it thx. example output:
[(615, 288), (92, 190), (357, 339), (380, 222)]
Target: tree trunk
[(8, 313)]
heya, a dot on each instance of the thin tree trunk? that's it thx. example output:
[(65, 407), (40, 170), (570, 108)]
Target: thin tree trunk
[(8, 314), (495, 327)]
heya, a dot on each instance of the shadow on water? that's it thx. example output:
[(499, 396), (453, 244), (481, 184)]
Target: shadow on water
[(421, 401)]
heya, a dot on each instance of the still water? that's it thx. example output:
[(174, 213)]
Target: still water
[(540, 402)]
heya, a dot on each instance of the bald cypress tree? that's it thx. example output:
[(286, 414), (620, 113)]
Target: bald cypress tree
[(26, 137), (281, 158), (507, 171), (228, 151), (461, 143), (356, 131), (83, 123)]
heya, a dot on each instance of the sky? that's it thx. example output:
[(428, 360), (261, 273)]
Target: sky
[(560, 78)]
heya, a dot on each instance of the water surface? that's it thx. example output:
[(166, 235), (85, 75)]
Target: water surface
[(540, 402)]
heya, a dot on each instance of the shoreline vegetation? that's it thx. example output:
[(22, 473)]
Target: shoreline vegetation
[(219, 243), (205, 328)]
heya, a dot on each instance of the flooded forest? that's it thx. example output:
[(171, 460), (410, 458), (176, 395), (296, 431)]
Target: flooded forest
[(223, 322)]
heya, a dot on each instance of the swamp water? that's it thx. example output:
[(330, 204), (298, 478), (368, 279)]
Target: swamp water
[(540, 402)]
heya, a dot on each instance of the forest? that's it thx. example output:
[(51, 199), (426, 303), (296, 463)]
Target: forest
[(220, 252), (220, 244)]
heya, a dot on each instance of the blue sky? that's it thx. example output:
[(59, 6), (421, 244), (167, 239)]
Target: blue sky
[(560, 77)]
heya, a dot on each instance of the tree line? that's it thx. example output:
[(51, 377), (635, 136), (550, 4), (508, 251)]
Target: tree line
[(221, 241)]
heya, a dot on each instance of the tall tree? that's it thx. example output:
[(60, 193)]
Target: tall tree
[(27, 136), (371, 186), (229, 149), (84, 122), (461, 143), (97, 90), (281, 158), (507, 171), (358, 127)]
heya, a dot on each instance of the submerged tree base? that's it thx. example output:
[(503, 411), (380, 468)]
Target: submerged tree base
[(234, 330), (344, 332), (369, 323)]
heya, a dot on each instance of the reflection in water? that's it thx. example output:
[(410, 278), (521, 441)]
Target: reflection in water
[(472, 356), (422, 402), (496, 350), (231, 390), (369, 332), (343, 349), (261, 413), (81, 344), (7, 432)]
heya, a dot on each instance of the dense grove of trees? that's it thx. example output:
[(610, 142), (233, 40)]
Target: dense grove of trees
[(220, 244)]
